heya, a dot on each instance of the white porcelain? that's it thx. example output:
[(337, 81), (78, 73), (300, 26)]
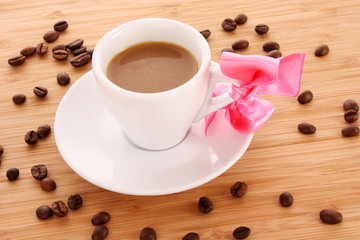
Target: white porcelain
[(93, 144), (158, 120)]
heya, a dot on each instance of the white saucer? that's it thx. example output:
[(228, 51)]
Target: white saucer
[(93, 145)]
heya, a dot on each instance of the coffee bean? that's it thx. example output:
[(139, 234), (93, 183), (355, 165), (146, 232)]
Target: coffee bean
[(90, 52), (40, 91), (350, 130), (80, 60), (43, 130), (74, 202), (60, 55), (240, 19), (100, 233), (269, 46), (351, 116), (321, 50), (44, 212), (59, 208), (241, 232), (351, 104), (12, 174), (227, 50), (286, 199), (100, 218), (1, 150), (75, 44), (229, 25), (274, 54), (331, 216), (206, 33), (16, 61), (191, 236), (305, 97), (63, 78), (239, 189), (61, 26), (60, 46), (79, 50), (19, 98), (41, 49), (148, 234), (205, 205), (47, 184), (261, 29), (51, 36), (31, 137), (28, 51), (240, 44), (39, 171), (306, 128)]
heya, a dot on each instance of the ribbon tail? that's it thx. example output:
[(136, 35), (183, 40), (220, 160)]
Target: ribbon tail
[(208, 120)]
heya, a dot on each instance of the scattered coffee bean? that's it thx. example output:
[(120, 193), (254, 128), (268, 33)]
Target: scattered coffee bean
[(61, 26), (350, 130), (206, 33), (351, 116), (47, 184), (100, 233), (261, 29), (16, 61), (191, 236), (51, 36), (286, 199), (31, 137), (239, 189), (274, 54), (19, 98), (79, 50), (41, 49), (100, 218), (44, 212), (1, 150), (28, 51), (75, 44), (80, 60), (74, 202), (12, 174), (331, 216), (321, 50), (148, 234), (63, 78), (227, 50), (305, 97), (40, 91), (43, 130), (59, 208), (60, 46), (241, 232), (351, 104), (60, 55), (229, 25), (205, 205), (306, 128), (90, 52), (240, 44), (240, 19), (39, 171), (269, 46)]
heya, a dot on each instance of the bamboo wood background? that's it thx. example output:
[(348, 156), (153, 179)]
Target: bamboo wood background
[(321, 170)]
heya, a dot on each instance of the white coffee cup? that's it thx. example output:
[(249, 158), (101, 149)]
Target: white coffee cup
[(157, 121)]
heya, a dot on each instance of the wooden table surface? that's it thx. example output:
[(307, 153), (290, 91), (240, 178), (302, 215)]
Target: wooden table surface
[(320, 170)]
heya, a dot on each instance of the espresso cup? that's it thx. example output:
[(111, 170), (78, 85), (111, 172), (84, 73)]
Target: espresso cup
[(161, 120)]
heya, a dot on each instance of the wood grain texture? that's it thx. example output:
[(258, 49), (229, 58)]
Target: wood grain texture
[(321, 170)]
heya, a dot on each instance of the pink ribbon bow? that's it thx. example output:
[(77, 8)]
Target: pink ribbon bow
[(256, 75)]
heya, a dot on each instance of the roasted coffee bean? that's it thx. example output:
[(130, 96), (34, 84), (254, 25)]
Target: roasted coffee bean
[(269, 46), (206, 33), (274, 54), (331, 216), (74, 202), (43, 130), (241, 232), (229, 25), (306, 128), (100, 233), (191, 236), (351, 104), (59, 208), (239, 189), (350, 130), (205, 205), (90, 51), (100, 218), (305, 97), (28, 51), (40, 91), (51, 36), (44, 212), (351, 116), (31, 137), (63, 78), (240, 44), (227, 50), (1, 150), (12, 174), (148, 234), (321, 50), (47, 184), (75, 44), (19, 98), (41, 49), (61, 26), (240, 19), (16, 61), (79, 50), (261, 29), (39, 171), (80, 60), (286, 199), (60, 46), (60, 55)]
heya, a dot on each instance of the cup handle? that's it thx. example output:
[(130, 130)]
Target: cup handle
[(213, 104)]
